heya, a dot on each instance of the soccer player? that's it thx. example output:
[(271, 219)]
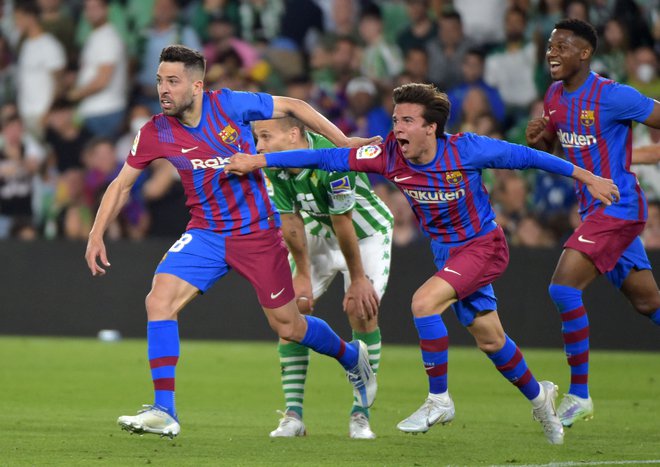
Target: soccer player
[(233, 225), (592, 119), (440, 175), (349, 230)]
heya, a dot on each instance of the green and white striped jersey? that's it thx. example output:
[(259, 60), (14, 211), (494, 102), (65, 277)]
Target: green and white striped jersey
[(317, 194)]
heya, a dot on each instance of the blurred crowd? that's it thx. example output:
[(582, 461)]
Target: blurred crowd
[(77, 80)]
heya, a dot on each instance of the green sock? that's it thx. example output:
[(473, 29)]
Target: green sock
[(372, 339), (294, 360)]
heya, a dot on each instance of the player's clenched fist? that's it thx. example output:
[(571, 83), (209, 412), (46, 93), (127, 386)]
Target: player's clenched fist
[(534, 130)]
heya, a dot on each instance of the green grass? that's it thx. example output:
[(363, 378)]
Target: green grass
[(60, 399)]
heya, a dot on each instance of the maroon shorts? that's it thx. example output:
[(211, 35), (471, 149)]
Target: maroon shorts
[(604, 238), (473, 265)]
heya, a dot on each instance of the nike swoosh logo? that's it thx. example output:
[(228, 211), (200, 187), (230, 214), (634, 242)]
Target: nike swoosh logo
[(551, 112), (275, 295), (584, 240), (400, 179), (184, 151), (453, 272)]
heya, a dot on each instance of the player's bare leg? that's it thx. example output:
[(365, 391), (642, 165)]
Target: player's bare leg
[(574, 272), (508, 359), (641, 289), (168, 296), (431, 299)]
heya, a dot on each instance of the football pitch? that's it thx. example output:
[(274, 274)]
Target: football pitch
[(60, 398)]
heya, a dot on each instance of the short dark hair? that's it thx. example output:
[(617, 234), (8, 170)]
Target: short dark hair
[(28, 7), (292, 122), (435, 102), (192, 60), (581, 29)]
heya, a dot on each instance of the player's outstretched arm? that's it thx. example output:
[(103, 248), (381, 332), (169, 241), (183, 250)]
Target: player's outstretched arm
[(242, 164), (600, 188), (114, 199), (361, 290), (328, 159), (288, 106), (646, 154)]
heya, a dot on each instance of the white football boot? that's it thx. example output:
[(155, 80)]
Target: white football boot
[(358, 427), (362, 377), (573, 408), (150, 420), (289, 427), (547, 415), (431, 412)]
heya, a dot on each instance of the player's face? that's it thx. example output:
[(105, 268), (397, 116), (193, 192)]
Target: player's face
[(566, 53), (271, 136), (415, 136), (175, 89)]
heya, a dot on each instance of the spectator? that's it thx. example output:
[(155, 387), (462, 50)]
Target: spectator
[(101, 87), (483, 20), (473, 77), (138, 116), (421, 29), (511, 69), (41, 61), (7, 73), (20, 159), (260, 19), (65, 136), (365, 116), (648, 175), (166, 29), (342, 20), (57, 20), (381, 61), (72, 216), (101, 167), (416, 65), (510, 197), (642, 64), (530, 233), (204, 12), (475, 104), (610, 60), (447, 50), (302, 22)]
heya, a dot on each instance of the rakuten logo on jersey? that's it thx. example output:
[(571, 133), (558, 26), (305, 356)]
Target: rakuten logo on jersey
[(573, 140), (434, 197), (216, 163)]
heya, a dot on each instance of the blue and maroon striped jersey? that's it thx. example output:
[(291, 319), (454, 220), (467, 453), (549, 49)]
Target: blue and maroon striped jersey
[(447, 195), (217, 201), (594, 126)]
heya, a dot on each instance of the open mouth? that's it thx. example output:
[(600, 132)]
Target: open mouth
[(554, 65), (166, 104), (403, 143)]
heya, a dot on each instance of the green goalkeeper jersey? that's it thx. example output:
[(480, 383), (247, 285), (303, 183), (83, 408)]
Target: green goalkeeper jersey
[(317, 194)]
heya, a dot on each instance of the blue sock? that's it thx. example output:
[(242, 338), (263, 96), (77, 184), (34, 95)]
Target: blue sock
[(575, 332), (655, 317), (322, 339), (434, 342), (510, 362), (163, 352)]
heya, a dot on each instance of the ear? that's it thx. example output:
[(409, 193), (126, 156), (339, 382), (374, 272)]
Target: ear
[(431, 128), (198, 87)]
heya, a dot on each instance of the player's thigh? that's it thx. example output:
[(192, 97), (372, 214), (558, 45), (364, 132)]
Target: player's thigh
[(433, 297), (326, 261), (168, 296), (574, 269), (261, 257), (198, 257), (376, 254)]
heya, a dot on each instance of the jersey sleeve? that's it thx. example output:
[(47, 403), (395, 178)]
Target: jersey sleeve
[(372, 159), (482, 152), (282, 192), (145, 147), (249, 106), (340, 187), (627, 103)]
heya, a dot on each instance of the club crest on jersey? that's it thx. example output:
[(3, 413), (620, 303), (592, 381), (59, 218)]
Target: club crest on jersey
[(454, 177), (136, 141), (368, 152), (587, 117), (228, 134)]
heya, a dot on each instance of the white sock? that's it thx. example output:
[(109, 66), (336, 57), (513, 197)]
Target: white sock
[(540, 399), (442, 397)]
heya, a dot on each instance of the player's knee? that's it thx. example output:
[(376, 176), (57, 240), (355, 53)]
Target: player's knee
[(646, 305), (159, 308), (423, 305), (491, 344)]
